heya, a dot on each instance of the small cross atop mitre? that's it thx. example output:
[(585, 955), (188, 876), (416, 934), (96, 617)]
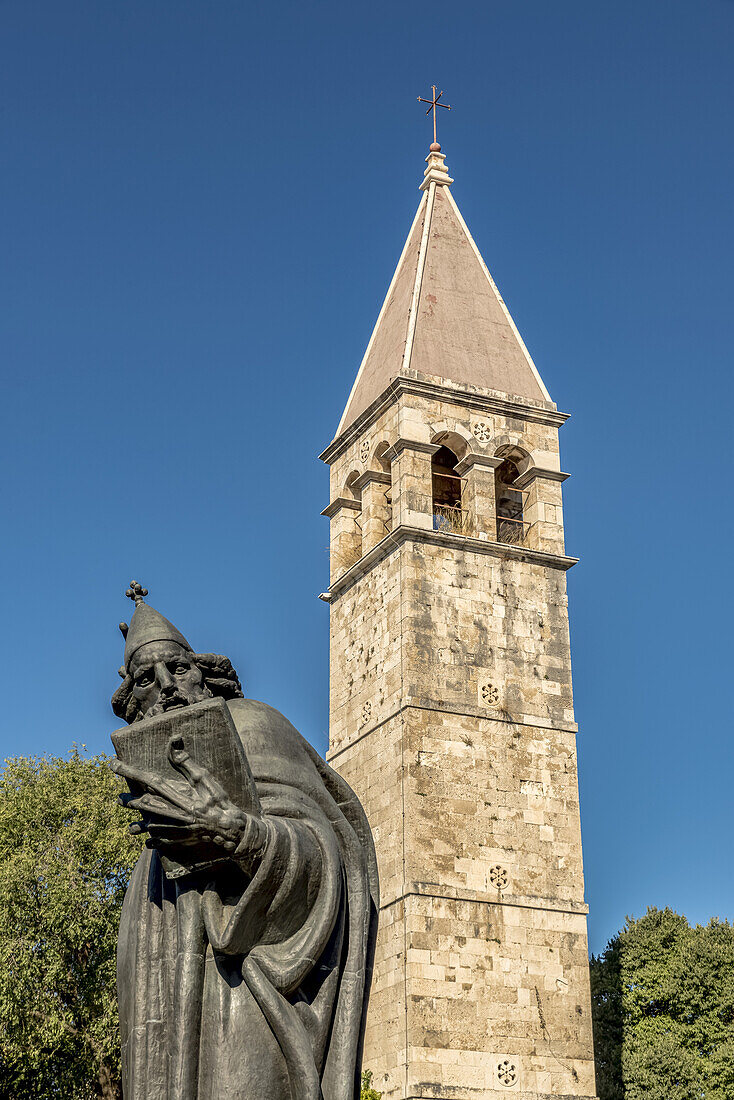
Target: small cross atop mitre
[(136, 592), (147, 625)]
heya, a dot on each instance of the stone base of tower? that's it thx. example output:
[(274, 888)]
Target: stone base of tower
[(476, 990), (477, 979)]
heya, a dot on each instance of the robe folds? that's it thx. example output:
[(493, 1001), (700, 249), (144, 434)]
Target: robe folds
[(239, 987)]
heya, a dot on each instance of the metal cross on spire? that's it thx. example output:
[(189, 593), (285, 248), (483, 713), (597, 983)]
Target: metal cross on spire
[(433, 105)]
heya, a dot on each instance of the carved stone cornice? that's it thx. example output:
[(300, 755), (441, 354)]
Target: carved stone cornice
[(369, 476), (341, 502), (474, 459), (532, 721), (471, 397), (468, 545), (570, 906), (533, 472), (402, 444)]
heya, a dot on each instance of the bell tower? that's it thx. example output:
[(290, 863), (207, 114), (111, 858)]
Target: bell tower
[(451, 711)]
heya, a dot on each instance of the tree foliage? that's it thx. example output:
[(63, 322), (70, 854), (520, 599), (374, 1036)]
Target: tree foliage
[(368, 1093), (663, 1007), (662, 992), (65, 861), (606, 1004)]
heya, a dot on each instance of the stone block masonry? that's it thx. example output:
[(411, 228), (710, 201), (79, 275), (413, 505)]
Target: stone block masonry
[(451, 704)]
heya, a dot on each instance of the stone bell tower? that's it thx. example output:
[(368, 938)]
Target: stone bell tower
[(451, 706)]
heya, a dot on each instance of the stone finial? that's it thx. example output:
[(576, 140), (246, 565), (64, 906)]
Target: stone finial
[(436, 171)]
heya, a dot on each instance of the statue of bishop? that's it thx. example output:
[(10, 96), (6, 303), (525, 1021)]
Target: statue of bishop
[(248, 929)]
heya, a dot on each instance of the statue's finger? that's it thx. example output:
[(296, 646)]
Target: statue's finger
[(214, 789), (154, 785), (196, 774), (224, 842), (170, 792), (131, 771), (134, 802), (161, 807), (164, 831), (181, 758), (207, 787)]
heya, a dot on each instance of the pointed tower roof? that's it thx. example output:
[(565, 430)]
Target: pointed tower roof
[(443, 315)]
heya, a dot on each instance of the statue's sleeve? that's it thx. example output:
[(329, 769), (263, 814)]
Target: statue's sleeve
[(287, 911)]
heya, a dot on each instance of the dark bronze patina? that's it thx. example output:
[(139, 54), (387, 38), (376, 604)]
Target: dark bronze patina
[(247, 934)]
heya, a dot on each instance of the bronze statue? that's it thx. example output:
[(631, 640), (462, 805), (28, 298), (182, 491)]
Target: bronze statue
[(248, 929)]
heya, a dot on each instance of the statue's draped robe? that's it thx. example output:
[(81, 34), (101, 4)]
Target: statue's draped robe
[(239, 988)]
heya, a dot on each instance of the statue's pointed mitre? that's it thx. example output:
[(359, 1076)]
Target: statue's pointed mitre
[(147, 625)]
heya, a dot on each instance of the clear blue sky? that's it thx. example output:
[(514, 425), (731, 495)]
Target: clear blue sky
[(202, 205)]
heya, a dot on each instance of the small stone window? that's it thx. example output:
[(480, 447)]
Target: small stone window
[(507, 1073), (511, 526)]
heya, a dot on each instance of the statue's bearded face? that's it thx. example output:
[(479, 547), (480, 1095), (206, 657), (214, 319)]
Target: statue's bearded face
[(165, 677)]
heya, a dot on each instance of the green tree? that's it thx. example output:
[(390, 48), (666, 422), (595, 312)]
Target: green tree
[(368, 1093), (663, 1007), (65, 861), (606, 1002)]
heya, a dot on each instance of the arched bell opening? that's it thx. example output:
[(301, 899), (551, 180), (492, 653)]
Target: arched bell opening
[(511, 526), (376, 486), (346, 543), (382, 463), (446, 487), (351, 486)]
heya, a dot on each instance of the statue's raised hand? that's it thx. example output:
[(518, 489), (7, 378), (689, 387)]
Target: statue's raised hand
[(190, 815)]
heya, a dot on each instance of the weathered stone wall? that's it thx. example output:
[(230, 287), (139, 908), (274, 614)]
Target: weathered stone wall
[(452, 719), (366, 644)]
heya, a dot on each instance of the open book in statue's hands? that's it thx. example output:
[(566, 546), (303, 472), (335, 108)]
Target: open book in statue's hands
[(189, 778)]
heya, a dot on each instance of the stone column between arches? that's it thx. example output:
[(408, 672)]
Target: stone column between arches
[(345, 535), (374, 486), (543, 509), (412, 491), (478, 496)]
